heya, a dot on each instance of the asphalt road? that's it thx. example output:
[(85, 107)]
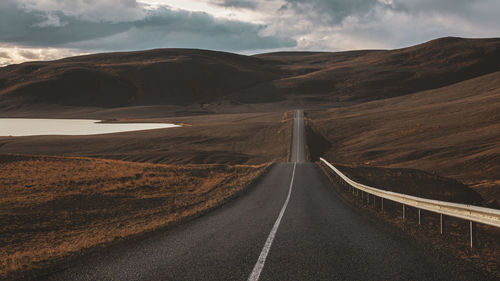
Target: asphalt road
[(291, 226)]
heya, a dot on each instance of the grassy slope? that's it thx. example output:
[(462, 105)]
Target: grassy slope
[(453, 131), (52, 207)]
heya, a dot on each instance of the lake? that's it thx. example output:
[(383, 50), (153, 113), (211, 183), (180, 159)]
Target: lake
[(34, 127)]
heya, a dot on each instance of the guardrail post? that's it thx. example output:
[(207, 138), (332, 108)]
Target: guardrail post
[(404, 211), (469, 213), (442, 222), (472, 229)]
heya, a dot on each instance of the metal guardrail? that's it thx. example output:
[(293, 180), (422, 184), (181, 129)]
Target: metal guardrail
[(473, 214)]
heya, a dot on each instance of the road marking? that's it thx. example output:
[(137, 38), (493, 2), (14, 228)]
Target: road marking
[(257, 269), (298, 138)]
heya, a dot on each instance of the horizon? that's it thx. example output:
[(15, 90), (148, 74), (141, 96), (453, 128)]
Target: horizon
[(249, 53), (50, 29)]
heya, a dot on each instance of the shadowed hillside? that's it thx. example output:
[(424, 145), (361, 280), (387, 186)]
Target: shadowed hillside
[(369, 75), (185, 76), (165, 76)]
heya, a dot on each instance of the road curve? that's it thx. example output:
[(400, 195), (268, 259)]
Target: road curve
[(301, 226)]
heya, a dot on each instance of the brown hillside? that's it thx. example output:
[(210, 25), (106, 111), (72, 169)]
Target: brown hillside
[(185, 76), (454, 131), (166, 76), (370, 75)]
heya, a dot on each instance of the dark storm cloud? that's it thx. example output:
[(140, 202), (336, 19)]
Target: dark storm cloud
[(187, 29), (161, 27), (335, 11), (330, 11), (31, 28)]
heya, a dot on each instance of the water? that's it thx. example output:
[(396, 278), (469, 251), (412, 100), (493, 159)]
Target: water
[(33, 127)]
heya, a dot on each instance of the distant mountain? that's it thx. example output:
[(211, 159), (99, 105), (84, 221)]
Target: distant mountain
[(189, 76)]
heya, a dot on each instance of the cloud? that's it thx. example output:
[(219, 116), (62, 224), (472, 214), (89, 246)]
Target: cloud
[(35, 28), (165, 27), (89, 10), (14, 54), (364, 24), (242, 26), (245, 4), (52, 20), (332, 12), (4, 55), (79, 25)]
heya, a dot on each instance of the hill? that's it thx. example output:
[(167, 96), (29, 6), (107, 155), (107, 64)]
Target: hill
[(453, 131), (166, 76), (369, 75), (187, 76)]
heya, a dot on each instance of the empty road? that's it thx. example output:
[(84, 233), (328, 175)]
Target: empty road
[(291, 226)]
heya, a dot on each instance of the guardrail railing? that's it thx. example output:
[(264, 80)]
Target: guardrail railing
[(473, 214)]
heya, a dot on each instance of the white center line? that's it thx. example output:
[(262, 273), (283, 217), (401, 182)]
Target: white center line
[(257, 269), (297, 133)]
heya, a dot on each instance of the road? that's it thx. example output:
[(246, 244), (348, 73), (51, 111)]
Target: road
[(291, 226)]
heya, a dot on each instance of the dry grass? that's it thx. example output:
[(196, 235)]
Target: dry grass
[(452, 131), (53, 207)]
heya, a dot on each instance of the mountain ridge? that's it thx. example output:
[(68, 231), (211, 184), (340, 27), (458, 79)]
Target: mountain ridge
[(193, 76)]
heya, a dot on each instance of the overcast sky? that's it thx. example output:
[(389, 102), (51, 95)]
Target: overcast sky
[(50, 29)]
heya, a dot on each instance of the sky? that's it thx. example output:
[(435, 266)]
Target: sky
[(52, 29)]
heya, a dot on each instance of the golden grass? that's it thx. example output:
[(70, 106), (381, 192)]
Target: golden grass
[(53, 207)]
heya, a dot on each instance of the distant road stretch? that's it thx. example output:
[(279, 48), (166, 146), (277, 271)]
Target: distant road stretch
[(291, 226)]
